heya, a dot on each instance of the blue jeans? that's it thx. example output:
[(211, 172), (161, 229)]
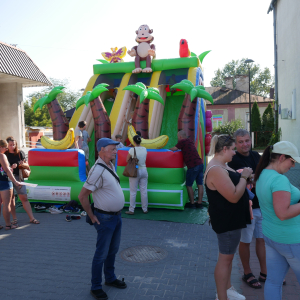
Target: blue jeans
[(280, 257), (108, 242)]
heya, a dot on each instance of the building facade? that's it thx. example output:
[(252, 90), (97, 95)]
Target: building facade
[(17, 70), (231, 104), (287, 66)]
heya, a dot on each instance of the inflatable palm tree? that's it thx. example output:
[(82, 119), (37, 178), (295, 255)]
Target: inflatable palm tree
[(141, 112), (186, 119), (101, 120), (60, 123)]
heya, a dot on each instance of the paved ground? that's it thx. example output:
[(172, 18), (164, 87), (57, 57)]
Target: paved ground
[(53, 261)]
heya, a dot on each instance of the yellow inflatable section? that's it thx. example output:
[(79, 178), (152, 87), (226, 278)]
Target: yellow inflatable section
[(76, 116)]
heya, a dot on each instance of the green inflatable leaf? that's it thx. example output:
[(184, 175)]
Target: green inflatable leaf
[(141, 85), (36, 105), (80, 102), (134, 88), (154, 96), (153, 89), (193, 94), (187, 82), (193, 54), (202, 55), (54, 92), (43, 101), (205, 95), (182, 86), (143, 95), (97, 91), (103, 61)]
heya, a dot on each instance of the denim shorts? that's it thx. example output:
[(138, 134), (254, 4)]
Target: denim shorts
[(229, 241), (254, 229), (5, 185), (193, 174)]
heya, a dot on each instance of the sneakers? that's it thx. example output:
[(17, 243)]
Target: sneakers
[(119, 284), (129, 212), (54, 210), (84, 214), (99, 294), (199, 205), (232, 294), (39, 207), (70, 218), (190, 205)]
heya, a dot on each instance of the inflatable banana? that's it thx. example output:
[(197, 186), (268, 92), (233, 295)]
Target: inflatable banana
[(63, 144), (156, 143)]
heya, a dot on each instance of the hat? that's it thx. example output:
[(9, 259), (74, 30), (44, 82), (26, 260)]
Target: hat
[(105, 142), (287, 148)]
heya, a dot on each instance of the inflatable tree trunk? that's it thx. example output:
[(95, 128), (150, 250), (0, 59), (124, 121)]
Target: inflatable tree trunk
[(60, 123), (186, 119), (101, 121), (140, 117)]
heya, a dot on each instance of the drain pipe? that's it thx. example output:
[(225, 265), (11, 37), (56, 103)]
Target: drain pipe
[(276, 68)]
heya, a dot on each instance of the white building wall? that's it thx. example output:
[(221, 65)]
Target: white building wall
[(288, 49), (12, 112)]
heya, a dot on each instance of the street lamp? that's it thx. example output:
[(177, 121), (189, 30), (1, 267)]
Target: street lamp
[(248, 61)]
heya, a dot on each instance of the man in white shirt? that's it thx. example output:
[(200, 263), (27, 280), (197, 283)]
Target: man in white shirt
[(108, 201)]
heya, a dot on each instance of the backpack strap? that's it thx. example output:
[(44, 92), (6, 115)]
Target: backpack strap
[(110, 171)]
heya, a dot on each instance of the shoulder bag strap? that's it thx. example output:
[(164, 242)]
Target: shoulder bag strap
[(110, 171), (134, 153)]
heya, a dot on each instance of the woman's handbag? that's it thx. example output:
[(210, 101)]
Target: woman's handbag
[(131, 168), (24, 170)]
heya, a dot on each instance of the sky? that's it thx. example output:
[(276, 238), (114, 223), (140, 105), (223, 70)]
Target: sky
[(66, 37)]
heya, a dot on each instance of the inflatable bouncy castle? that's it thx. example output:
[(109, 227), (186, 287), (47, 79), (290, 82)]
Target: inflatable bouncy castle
[(158, 97)]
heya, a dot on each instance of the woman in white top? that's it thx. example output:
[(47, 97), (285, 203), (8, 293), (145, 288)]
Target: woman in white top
[(142, 176)]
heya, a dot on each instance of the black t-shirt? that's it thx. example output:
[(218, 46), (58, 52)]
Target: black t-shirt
[(14, 159), (240, 161)]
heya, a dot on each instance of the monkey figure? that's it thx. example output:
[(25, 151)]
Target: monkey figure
[(143, 51)]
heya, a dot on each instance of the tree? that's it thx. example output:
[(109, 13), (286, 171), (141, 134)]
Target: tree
[(260, 80), (268, 118), (229, 127), (67, 99), (255, 118)]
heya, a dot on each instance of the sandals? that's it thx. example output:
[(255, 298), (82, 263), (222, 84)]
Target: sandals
[(251, 282), (262, 275), (9, 227), (264, 279), (14, 222), (34, 221)]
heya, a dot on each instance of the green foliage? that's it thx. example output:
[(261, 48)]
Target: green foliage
[(229, 127), (255, 118), (260, 80), (268, 118), (67, 99), (276, 137)]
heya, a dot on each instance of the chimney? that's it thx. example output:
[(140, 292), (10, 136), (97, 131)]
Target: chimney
[(242, 83), (229, 82)]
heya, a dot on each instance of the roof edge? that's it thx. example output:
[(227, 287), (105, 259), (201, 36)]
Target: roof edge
[(271, 6)]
